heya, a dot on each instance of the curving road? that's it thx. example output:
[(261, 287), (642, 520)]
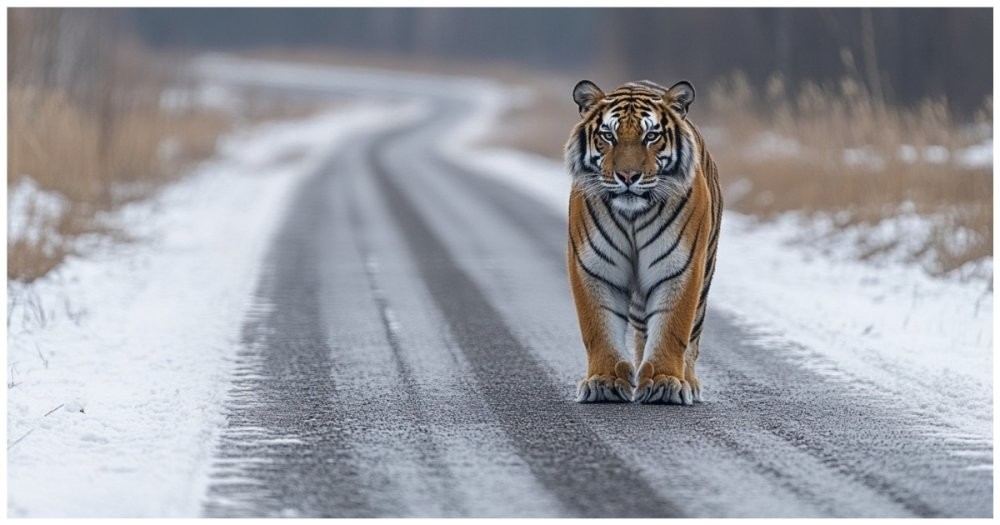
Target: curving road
[(413, 352)]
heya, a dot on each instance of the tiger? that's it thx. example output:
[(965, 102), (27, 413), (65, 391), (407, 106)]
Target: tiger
[(645, 210)]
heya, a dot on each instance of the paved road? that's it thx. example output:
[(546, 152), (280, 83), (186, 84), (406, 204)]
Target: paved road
[(414, 352)]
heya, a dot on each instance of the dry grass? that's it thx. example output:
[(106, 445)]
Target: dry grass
[(87, 122), (86, 127), (93, 165), (62, 147), (27, 261), (59, 145), (851, 157)]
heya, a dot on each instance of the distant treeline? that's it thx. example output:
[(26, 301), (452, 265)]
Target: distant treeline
[(901, 55)]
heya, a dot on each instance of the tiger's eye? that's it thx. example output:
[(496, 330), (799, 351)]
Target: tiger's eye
[(652, 136), (607, 135)]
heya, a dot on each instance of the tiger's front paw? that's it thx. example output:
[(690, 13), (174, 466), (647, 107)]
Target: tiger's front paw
[(661, 388), (615, 387)]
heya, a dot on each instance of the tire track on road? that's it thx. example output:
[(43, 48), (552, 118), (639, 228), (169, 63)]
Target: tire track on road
[(410, 400), (480, 470), (562, 451), (283, 423)]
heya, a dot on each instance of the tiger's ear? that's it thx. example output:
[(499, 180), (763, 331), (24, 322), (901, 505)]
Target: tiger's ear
[(680, 96), (586, 94)]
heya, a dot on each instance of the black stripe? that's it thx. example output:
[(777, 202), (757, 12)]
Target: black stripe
[(611, 213), (646, 224), (654, 313), (591, 273), (600, 229), (581, 140), (713, 240), (600, 253), (628, 215), (673, 246), (676, 143), (704, 289), (696, 331), (677, 211), (619, 315), (694, 248)]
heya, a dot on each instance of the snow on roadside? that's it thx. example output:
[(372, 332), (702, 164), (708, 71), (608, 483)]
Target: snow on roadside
[(925, 342), (770, 145), (905, 237), (978, 155), (202, 95), (120, 358), (31, 212)]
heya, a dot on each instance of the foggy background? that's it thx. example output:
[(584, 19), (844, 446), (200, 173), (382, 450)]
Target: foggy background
[(904, 54)]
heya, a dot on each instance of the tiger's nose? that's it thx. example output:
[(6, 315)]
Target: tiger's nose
[(627, 177)]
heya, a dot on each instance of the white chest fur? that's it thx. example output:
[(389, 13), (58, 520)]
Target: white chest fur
[(643, 255)]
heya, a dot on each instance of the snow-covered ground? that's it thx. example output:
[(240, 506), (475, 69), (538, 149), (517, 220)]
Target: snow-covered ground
[(120, 358)]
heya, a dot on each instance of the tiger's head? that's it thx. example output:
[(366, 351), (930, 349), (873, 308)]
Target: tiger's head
[(633, 146)]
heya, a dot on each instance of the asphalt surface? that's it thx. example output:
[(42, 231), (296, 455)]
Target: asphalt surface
[(413, 352)]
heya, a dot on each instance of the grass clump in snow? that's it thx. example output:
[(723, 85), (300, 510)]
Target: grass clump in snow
[(86, 127)]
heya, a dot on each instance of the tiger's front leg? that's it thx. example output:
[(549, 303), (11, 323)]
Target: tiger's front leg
[(663, 375), (609, 377), (600, 276)]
